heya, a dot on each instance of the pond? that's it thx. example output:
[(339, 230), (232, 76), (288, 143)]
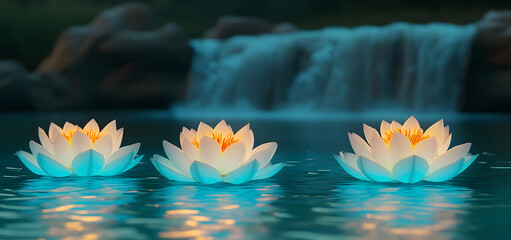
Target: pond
[(311, 198)]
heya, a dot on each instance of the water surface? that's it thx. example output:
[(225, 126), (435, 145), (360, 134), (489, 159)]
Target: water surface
[(311, 198)]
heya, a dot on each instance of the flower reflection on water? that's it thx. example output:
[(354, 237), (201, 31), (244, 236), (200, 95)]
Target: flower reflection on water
[(387, 211), (206, 211), (77, 208)]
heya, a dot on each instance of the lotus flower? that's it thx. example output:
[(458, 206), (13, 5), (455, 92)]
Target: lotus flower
[(80, 151), (217, 155), (405, 154)]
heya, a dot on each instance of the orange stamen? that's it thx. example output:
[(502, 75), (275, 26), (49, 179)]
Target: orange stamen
[(415, 136), (224, 142), (93, 135)]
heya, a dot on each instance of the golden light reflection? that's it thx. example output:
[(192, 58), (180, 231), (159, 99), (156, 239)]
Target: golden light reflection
[(90, 236), (181, 234), (86, 218), (226, 221), (74, 226), (229, 207), (200, 218), (411, 231), (380, 217), (182, 212), (191, 223), (369, 226), (60, 209), (214, 213), (83, 212), (74, 209), (416, 212)]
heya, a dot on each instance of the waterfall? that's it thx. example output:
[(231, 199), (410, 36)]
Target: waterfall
[(398, 66)]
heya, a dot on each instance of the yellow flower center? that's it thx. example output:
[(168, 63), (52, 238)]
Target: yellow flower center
[(223, 141), (414, 135), (93, 135)]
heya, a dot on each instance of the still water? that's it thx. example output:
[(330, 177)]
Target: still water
[(311, 198)]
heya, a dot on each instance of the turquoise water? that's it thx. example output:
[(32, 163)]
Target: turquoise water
[(311, 198)]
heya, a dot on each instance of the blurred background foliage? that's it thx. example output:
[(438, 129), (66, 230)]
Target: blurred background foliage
[(29, 28)]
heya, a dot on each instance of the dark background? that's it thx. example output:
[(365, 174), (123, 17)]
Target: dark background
[(28, 28)]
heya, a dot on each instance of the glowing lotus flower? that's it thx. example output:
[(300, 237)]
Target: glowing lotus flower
[(80, 151), (405, 154), (214, 155)]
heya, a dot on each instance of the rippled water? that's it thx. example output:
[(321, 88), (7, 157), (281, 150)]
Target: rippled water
[(311, 198)]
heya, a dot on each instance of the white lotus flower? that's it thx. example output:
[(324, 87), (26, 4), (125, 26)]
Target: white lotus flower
[(405, 154), (80, 151), (214, 155)]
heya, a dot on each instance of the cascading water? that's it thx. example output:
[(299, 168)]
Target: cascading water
[(399, 66)]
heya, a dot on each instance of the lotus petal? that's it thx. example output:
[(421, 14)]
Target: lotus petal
[(190, 151), (80, 143), (232, 158), (92, 125), (447, 142), (63, 151), (30, 162), (371, 134), (69, 127), (246, 136), (110, 129), (118, 141), (243, 174), (359, 145), (350, 167), (45, 140), (411, 123), (123, 151), (411, 169), (399, 146), (373, 170), (436, 130), (446, 132), (186, 135), (222, 127), (133, 163), (453, 155), (88, 163), (205, 173), (210, 151), (104, 145), (118, 164), (53, 131), (384, 127), (263, 153), (203, 130), (447, 172), (427, 149), (36, 148), (381, 154), (166, 169), (176, 156), (395, 125), (268, 171), (52, 167)]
